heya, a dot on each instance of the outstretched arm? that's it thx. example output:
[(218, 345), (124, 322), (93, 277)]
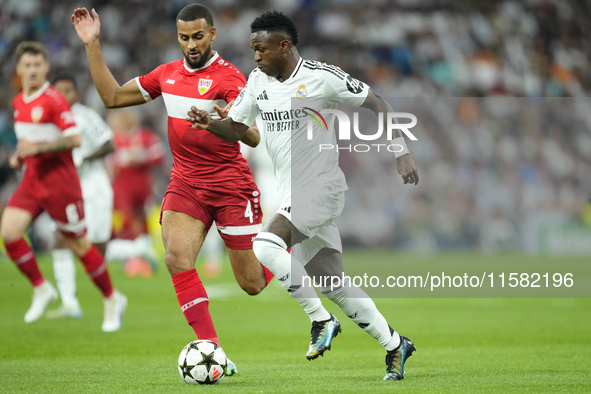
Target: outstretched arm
[(112, 94), (226, 129), (406, 165)]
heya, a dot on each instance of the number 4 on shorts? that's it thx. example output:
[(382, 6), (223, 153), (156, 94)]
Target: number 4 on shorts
[(248, 212)]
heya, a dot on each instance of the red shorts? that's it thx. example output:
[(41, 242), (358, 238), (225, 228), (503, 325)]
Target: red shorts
[(236, 210), (130, 198), (64, 204)]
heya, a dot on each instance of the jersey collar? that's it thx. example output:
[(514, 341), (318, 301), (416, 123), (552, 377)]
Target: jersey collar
[(39, 92), (209, 63), (296, 69)]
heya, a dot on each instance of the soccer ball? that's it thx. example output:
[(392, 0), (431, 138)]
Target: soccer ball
[(202, 362)]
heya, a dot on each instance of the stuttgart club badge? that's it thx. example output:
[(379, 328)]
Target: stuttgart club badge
[(204, 85)]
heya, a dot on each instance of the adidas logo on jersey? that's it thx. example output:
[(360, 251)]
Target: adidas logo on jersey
[(286, 209), (263, 96), (170, 81)]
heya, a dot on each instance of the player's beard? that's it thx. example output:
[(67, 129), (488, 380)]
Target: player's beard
[(205, 56)]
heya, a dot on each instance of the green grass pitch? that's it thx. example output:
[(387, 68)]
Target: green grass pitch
[(464, 345)]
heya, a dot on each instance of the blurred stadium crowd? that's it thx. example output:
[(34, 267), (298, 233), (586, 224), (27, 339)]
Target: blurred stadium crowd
[(489, 169), (497, 172)]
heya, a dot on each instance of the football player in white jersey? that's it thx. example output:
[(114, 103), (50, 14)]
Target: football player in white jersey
[(96, 143), (310, 179)]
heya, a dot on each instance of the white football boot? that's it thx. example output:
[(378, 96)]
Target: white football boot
[(114, 308), (43, 295), (69, 309)]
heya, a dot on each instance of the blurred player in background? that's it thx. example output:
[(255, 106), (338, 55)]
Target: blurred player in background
[(137, 151), (96, 142), (46, 133), (320, 188), (210, 180)]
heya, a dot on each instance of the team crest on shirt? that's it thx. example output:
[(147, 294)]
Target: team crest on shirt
[(301, 92), (36, 114), (204, 85)]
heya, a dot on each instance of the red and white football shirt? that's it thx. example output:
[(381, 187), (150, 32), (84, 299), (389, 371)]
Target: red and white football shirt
[(200, 158), (50, 181), (44, 117)]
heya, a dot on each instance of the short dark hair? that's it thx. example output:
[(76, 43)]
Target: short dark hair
[(33, 47), (193, 12), (276, 21), (65, 77)]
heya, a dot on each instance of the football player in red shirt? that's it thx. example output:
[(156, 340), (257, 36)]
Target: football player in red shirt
[(46, 134), (137, 151), (210, 179)]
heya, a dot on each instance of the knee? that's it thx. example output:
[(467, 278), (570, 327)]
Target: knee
[(13, 224), (258, 247), (176, 262), (8, 235), (266, 246), (248, 271), (80, 246), (252, 289)]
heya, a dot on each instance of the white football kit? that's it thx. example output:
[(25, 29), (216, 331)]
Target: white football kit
[(97, 191), (311, 186)]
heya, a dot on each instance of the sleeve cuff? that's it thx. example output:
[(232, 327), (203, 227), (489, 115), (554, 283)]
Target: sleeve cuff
[(143, 91)]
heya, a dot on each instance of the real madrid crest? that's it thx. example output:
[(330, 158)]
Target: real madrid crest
[(302, 92), (36, 114), (204, 85)]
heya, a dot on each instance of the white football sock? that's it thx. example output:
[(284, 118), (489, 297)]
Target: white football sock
[(272, 253), (394, 342), (64, 269), (357, 305)]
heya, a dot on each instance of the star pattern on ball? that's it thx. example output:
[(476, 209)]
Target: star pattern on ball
[(208, 360), (186, 369)]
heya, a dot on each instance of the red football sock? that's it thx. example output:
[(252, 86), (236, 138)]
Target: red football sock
[(95, 265), (25, 261), (268, 274), (194, 304)]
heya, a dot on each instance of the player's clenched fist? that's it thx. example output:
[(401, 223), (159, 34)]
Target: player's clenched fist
[(87, 28), (199, 118)]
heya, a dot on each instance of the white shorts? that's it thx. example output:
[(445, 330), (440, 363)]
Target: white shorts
[(314, 213), (97, 193)]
